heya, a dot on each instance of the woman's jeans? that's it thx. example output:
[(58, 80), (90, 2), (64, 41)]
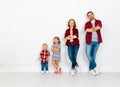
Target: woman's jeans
[(91, 50), (72, 52)]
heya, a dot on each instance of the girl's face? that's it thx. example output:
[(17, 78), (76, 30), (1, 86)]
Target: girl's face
[(71, 23), (56, 40)]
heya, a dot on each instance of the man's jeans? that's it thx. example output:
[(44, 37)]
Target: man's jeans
[(91, 50)]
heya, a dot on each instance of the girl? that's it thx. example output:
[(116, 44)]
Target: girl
[(56, 55)]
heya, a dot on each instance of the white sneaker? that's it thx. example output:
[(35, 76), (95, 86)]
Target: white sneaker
[(93, 72), (42, 72), (77, 69), (72, 72), (47, 72), (96, 70)]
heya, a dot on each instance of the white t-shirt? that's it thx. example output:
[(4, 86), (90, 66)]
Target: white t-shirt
[(94, 34), (71, 33)]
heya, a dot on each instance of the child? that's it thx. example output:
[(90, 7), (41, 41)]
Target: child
[(56, 54), (44, 57)]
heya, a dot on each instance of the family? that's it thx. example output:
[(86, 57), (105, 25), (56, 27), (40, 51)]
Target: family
[(93, 40)]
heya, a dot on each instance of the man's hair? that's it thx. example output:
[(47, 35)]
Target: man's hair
[(90, 12)]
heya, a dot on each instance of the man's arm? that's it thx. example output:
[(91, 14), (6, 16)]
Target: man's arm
[(93, 29)]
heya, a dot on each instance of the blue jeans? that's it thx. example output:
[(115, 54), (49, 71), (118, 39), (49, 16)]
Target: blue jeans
[(44, 66), (91, 50), (72, 52)]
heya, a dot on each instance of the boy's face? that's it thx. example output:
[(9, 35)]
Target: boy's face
[(45, 47)]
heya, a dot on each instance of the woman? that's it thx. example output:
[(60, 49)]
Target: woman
[(72, 41)]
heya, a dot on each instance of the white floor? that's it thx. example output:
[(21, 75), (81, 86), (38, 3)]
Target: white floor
[(64, 80)]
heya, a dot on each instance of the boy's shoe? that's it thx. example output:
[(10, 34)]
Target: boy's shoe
[(73, 72), (42, 72), (47, 72), (77, 69)]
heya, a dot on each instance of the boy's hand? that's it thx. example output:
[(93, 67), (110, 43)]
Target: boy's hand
[(47, 58), (39, 59), (44, 61)]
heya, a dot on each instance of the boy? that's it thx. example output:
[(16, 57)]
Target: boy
[(44, 57)]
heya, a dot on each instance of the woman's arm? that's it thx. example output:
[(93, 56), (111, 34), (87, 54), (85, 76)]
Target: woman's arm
[(68, 37)]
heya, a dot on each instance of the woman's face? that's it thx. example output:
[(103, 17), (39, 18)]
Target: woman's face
[(71, 23)]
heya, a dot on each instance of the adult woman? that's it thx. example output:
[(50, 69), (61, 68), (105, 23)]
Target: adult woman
[(72, 41)]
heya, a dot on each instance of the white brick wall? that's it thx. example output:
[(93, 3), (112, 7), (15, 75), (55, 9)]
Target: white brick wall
[(26, 24)]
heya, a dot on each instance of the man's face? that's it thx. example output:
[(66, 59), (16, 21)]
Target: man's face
[(90, 16)]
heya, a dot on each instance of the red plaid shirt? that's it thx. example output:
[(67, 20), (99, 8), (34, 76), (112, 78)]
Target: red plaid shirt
[(44, 54)]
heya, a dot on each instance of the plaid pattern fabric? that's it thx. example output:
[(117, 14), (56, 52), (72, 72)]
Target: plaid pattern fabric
[(44, 54)]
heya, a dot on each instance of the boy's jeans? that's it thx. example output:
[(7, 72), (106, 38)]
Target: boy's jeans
[(44, 66)]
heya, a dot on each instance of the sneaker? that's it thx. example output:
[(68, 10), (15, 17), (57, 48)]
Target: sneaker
[(96, 70), (77, 69), (72, 72), (93, 72), (47, 72), (42, 72)]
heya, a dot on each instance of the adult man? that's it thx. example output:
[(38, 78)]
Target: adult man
[(93, 40)]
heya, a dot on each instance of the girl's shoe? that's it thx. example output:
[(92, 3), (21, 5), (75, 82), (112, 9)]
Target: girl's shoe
[(56, 72), (59, 70)]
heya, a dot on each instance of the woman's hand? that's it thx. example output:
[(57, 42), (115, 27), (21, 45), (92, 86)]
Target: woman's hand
[(73, 36)]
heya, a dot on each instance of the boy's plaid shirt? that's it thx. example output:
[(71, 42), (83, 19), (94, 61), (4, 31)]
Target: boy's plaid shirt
[(44, 54)]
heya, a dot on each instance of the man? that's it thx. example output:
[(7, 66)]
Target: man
[(93, 40)]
